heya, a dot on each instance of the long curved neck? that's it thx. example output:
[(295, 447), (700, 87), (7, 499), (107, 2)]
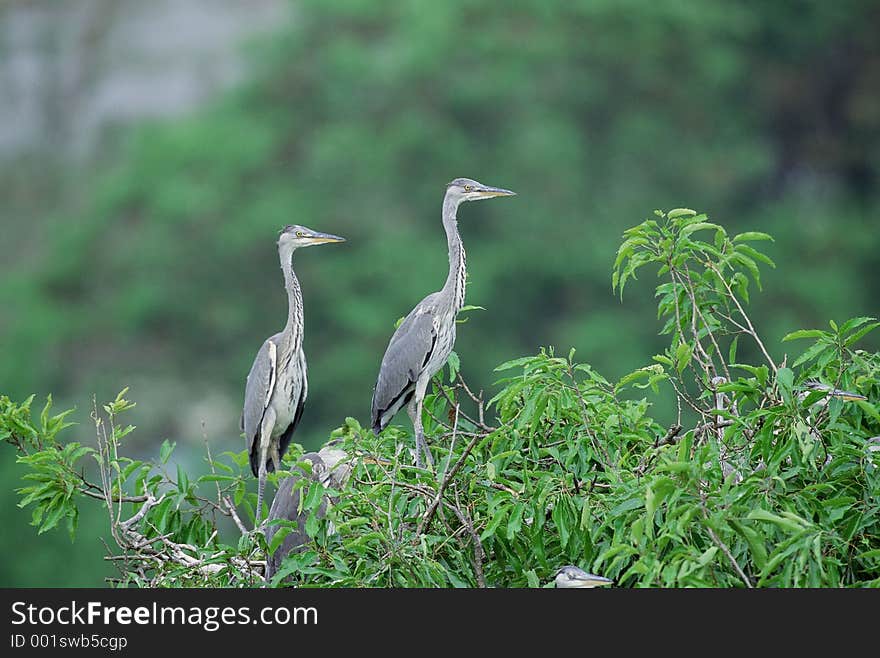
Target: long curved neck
[(294, 328), (454, 288)]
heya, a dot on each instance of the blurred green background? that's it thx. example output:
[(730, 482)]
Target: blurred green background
[(150, 152)]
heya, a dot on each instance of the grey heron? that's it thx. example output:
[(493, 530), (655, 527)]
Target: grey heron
[(277, 387), (423, 341), (329, 467), (809, 427), (803, 427), (572, 577), (830, 392)]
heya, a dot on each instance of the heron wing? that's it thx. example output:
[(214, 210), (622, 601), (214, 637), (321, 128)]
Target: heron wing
[(300, 405), (258, 393), (408, 351)]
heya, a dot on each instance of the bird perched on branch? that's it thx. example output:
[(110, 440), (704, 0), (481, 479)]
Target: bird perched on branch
[(423, 341), (277, 387), (572, 577), (329, 467)]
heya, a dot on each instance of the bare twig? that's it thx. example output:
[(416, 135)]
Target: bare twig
[(750, 330), (705, 428), (432, 508), (234, 514), (157, 560), (100, 496), (472, 421), (149, 504), (500, 487), (699, 312), (478, 400), (670, 435)]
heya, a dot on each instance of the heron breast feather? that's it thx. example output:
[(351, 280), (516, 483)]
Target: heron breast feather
[(285, 397)]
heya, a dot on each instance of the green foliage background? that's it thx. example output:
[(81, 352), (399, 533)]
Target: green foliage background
[(155, 267)]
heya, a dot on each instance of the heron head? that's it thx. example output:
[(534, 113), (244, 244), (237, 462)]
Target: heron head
[(815, 385), (336, 462), (574, 577), (466, 189), (295, 236)]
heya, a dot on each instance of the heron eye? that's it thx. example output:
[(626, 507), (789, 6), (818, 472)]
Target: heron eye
[(299, 234), (468, 188)]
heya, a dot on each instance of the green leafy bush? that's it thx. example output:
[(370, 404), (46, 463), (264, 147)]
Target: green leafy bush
[(764, 478)]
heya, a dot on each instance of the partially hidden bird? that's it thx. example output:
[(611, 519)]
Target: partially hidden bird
[(812, 385), (422, 343), (330, 467), (572, 577), (277, 386)]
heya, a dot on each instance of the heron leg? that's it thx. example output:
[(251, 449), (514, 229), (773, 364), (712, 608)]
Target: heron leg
[(276, 458), (413, 416), (415, 413), (421, 443), (266, 428), (261, 485)]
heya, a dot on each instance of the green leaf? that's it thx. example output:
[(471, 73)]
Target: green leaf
[(650, 504), (811, 353), (514, 521), (627, 505), (490, 471), (311, 526), (699, 226), (754, 540), (854, 323), (861, 333), (532, 579), (166, 450), (454, 364), (707, 556), (514, 363), (636, 375), (755, 254), (869, 409), (752, 236), (804, 333), (560, 518), (785, 380), (210, 477), (494, 523), (683, 355), (182, 480), (681, 212), (790, 524), (750, 265)]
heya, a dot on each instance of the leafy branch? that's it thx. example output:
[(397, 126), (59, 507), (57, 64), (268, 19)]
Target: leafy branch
[(765, 478)]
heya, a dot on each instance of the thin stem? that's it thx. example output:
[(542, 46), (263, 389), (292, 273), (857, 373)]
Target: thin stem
[(432, 508), (751, 329)]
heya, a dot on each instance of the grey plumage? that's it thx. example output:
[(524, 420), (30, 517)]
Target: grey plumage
[(423, 341), (411, 344), (329, 467), (277, 385), (261, 383)]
